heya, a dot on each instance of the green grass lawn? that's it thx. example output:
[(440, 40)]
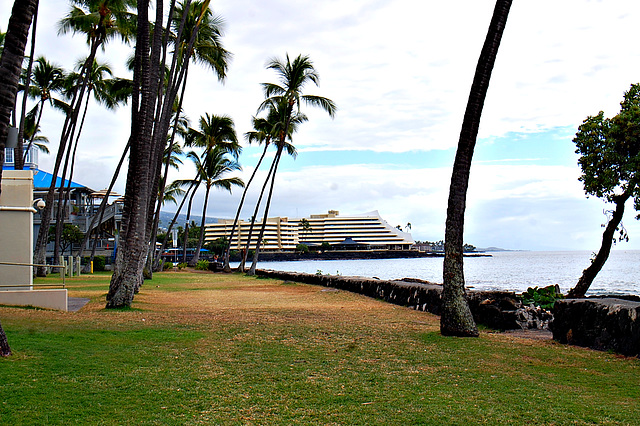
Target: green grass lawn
[(228, 349)]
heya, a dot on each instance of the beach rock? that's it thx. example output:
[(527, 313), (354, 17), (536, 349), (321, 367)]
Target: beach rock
[(603, 324)]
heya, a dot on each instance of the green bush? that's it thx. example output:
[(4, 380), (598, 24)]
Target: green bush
[(167, 266), (544, 297), (202, 265), (302, 248), (99, 263), (182, 265)]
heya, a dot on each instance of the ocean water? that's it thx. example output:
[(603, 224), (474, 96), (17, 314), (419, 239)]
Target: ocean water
[(513, 270)]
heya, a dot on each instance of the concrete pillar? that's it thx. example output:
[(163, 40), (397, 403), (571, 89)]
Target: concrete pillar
[(16, 223)]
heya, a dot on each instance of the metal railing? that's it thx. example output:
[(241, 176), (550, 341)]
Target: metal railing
[(63, 274)]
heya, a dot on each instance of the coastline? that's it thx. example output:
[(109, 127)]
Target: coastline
[(354, 255)]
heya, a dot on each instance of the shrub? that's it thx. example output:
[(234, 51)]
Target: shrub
[(167, 266), (544, 297), (325, 246), (202, 265), (302, 248), (182, 265), (99, 263)]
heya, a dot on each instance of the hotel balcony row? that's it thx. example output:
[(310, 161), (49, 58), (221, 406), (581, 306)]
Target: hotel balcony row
[(365, 231)]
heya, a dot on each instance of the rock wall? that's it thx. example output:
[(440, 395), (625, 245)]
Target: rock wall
[(496, 309), (604, 324)]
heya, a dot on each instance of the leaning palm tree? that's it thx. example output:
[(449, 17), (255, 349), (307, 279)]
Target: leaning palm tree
[(10, 62), (275, 122), (47, 80), (215, 130), (211, 171), (456, 318), (293, 77), (107, 91), (100, 21)]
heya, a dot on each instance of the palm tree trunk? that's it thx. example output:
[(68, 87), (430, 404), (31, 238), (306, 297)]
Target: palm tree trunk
[(11, 65), (254, 263), (456, 318), (5, 350), (196, 255), (68, 130), (243, 261), (589, 274), (18, 155), (173, 222), (227, 251), (186, 225), (64, 193), (33, 136)]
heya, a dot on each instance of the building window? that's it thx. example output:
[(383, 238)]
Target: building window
[(8, 155)]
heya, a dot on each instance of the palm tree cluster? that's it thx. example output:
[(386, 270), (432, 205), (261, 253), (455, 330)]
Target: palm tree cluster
[(162, 136)]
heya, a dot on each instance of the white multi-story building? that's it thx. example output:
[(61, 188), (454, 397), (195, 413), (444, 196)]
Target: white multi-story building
[(280, 234), (365, 229), (362, 231)]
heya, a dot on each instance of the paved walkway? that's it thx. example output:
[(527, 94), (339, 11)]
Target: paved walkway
[(74, 304)]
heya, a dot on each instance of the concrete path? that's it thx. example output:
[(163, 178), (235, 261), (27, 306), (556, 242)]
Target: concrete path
[(74, 304)]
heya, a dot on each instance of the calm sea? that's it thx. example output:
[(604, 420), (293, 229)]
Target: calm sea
[(515, 270)]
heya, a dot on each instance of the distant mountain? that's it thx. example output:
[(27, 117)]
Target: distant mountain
[(166, 217), (492, 249)]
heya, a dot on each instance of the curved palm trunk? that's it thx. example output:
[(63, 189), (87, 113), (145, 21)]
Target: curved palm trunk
[(243, 261), (254, 263), (153, 264), (589, 274), (186, 225), (65, 193), (456, 318), (11, 65), (10, 68), (33, 136), (227, 251), (173, 222), (68, 129), (5, 350), (97, 217), (18, 155), (196, 255)]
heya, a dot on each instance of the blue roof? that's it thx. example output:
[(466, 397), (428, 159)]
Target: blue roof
[(42, 179)]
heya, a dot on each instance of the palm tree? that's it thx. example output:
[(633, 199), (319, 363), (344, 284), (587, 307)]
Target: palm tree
[(14, 41), (207, 48), (215, 130), (456, 318), (264, 129), (10, 64), (214, 165), (106, 90), (47, 79), (293, 76), (100, 21)]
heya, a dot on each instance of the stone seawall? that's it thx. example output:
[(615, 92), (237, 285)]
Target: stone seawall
[(603, 324), (496, 309)]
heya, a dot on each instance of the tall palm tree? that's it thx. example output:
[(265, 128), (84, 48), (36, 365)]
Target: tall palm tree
[(215, 130), (456, 318), (293, 76), (14, 41), (100, 21), (47, 80), (275, 121), (10, 65), (211, 171), (107, 91)]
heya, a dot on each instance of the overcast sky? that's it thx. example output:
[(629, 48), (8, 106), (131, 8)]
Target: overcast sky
[(400, 73)]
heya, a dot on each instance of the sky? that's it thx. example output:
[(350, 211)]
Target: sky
[(400, 73)]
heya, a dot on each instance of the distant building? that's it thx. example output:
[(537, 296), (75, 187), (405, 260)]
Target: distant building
[(366, 231), (280, 234), (81, 207)]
